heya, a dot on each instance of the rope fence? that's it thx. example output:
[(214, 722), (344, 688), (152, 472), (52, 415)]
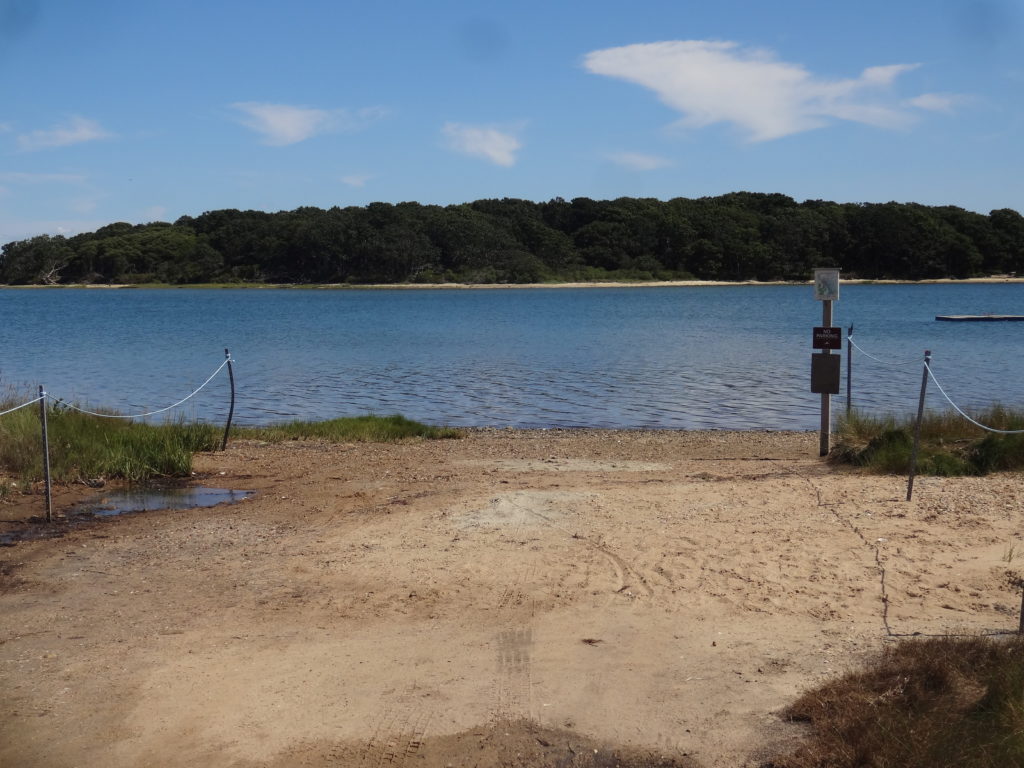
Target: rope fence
[(929, 374), (957, 408), (23, 405), (879, 360), (228, 360), (63, 403), (59, 402)]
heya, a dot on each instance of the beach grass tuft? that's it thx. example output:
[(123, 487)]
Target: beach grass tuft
[(369, 428), (950, 445), (85, 448), (930, 703)]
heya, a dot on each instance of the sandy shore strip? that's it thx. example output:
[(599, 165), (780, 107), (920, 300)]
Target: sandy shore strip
[(993, 279), (440, 603)]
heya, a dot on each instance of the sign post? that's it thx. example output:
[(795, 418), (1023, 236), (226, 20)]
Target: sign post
[(825, 368)]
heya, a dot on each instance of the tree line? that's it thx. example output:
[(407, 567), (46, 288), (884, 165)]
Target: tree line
[(737, 236)]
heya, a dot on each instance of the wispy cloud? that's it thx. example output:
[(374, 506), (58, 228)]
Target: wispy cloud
[(19, 177), (497, 146), (937, 102), (356, 179), (76, 130), (720, 82), (638, 161), (283, 124), (83, 204)]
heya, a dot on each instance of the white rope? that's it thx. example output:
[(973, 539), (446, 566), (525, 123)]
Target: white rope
[(957, 409), (150, 413), (19, 407), (877, 360)]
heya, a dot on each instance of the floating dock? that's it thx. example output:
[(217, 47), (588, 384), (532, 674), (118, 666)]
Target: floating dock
[(979, 318)]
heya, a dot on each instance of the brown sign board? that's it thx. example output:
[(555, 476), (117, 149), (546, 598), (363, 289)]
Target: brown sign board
[(825, 373), (827, 338)]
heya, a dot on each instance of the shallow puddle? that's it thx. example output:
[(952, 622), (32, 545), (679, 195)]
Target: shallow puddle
[(122, 502), (150, 499)]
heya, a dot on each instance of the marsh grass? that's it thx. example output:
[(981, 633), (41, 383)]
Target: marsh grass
[(349, 429), (950, 445), (84, 447), (934, 703)]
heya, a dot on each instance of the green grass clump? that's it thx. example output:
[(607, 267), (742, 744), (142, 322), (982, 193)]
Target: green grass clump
[(935, 703), (84, 447), (369, 428), (950, 445)]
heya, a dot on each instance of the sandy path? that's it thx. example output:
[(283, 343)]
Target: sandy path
[(373, 605)]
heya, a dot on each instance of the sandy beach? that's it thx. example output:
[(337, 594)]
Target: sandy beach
[(990, 280), (510, 598)]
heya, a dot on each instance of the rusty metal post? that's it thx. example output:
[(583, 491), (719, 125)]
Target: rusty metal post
[(849, 371), (231, 410), (46, 454), (917, 428)]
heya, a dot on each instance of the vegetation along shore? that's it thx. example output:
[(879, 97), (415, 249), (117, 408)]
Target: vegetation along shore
[(740, 236)]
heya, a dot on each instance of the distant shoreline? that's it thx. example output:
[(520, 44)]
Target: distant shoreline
[(991, 280)]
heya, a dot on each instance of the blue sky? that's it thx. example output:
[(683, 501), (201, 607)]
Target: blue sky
[(149, 110)]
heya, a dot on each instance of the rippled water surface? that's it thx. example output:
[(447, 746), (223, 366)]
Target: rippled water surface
[(672, 357)]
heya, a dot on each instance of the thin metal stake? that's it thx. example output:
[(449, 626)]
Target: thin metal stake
[(231, 410), (849, 371), (917, 427), (1020, 630), (46, 455)]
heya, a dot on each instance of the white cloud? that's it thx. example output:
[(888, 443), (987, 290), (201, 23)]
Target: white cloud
[(283, 124), (483, 141), (936, 102), (76, 131), (356, 179), (637, 161), (155, 213), (713, 82)]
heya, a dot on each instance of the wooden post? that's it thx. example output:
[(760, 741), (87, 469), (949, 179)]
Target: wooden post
[(849, 371), (826, 399), (917, 427), (231, 410), (46, 455)]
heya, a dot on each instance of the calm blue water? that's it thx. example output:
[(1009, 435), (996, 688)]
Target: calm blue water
[(674, 357)]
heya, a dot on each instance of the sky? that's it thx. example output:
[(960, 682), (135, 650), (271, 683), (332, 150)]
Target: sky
[(148, 110)]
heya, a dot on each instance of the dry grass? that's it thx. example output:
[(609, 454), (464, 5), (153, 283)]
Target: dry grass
[(934, 703)]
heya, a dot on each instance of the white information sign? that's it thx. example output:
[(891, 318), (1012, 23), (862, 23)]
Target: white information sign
[(826, 284)]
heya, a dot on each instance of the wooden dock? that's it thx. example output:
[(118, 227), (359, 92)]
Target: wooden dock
[(979, 318)]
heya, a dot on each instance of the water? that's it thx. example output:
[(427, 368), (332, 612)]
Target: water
[(146, 499), (668, 357), (125, 501)]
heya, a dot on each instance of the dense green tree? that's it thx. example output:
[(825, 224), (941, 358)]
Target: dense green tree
[(738, 236), (39, 260)]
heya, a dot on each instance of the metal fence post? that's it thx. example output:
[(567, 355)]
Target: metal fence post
[(231, 410), (849, 371), (46, 454), (917, 428)]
